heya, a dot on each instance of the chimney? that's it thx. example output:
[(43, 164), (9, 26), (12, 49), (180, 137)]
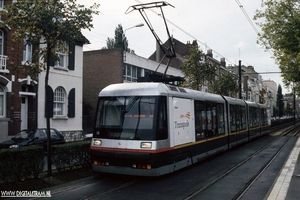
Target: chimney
[(223, 62), (209, 53)]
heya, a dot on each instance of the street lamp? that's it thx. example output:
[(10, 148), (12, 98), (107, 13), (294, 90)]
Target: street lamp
[(123, 37), (138, 25)]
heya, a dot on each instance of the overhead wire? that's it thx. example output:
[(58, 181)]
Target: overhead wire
[(247, 17), (245, 14)]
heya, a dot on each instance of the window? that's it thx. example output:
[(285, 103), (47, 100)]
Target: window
[(132, 118), (2, 102), (232, 119), (200, 120), (59, 102), (209, 119), (249, 96), (1, 42), (41, 134), (1, 4), (131, 73), (27, 52), (253, 117), (62, 56)]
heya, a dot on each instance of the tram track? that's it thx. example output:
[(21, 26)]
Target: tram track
[(264, 168), (90, 183), (244, 189), (105, 186)]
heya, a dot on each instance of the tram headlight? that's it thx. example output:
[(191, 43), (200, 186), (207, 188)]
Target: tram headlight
[(97, 142), (146, 145)]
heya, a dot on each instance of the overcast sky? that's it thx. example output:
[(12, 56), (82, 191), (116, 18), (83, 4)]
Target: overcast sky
[(220, 25)]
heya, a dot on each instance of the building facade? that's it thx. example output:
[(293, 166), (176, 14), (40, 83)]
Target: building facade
[(65, 85), (22, 98), (108, 66)]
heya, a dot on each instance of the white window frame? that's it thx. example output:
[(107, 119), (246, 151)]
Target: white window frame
[(63, 60), (27, 53), (130, 73), (2, 4), (2, 102), (249, 96), (59, 101)]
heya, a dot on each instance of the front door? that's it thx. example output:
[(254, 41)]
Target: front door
[(24, 113)]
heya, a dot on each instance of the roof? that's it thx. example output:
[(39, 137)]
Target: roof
[(181, 51)]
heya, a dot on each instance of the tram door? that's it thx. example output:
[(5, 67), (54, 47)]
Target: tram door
[(183, 123)]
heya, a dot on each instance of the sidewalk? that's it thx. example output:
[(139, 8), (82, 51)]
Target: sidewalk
[(287, 184)]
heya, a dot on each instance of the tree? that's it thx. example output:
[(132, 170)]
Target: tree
[(275, 111), (281, 33), (110, 42), (279, 102), (119, 41), (51, 24), (225, 84), (197, 71)]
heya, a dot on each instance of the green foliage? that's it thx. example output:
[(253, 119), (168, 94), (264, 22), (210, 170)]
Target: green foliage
[(225, 84), (279, 22), (197, 71), (69, 155), (52, 23), (18, 164), (119, 41), (280, 103), (275, 111)]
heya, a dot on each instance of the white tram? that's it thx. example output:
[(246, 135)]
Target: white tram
[(151, 129)]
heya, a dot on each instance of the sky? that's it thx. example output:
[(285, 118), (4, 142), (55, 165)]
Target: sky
[(220, 25)]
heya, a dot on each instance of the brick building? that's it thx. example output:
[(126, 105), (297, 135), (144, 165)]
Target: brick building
[(17, 90)]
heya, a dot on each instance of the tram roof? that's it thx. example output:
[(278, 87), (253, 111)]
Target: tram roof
[(134, 89), (155, 89)]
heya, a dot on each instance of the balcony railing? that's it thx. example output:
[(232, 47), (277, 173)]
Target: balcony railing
[(3, 61)]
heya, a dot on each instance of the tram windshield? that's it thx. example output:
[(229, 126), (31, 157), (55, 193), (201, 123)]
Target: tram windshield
[(132, 117)]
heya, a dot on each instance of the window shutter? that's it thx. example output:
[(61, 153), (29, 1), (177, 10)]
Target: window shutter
[(71, 103), (49, 100), (71, 57)]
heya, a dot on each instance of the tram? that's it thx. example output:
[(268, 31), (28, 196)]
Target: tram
[(152, 129)]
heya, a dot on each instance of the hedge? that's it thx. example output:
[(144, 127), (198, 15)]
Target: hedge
[(70, 155), (17, 164), (21, 163)]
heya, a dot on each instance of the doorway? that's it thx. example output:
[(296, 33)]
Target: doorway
[(24, 113)]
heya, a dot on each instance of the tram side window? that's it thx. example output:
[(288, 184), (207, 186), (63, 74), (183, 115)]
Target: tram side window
[(265, 117), (221, 122), (238, 117), (200, 120), (257, 116), (162, 119), (263, 114), (212, 119), (208, 121), (253, 117), (243, 119), (232, 118)]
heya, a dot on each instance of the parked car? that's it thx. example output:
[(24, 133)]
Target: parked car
[(88, 136), (33, 137)]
